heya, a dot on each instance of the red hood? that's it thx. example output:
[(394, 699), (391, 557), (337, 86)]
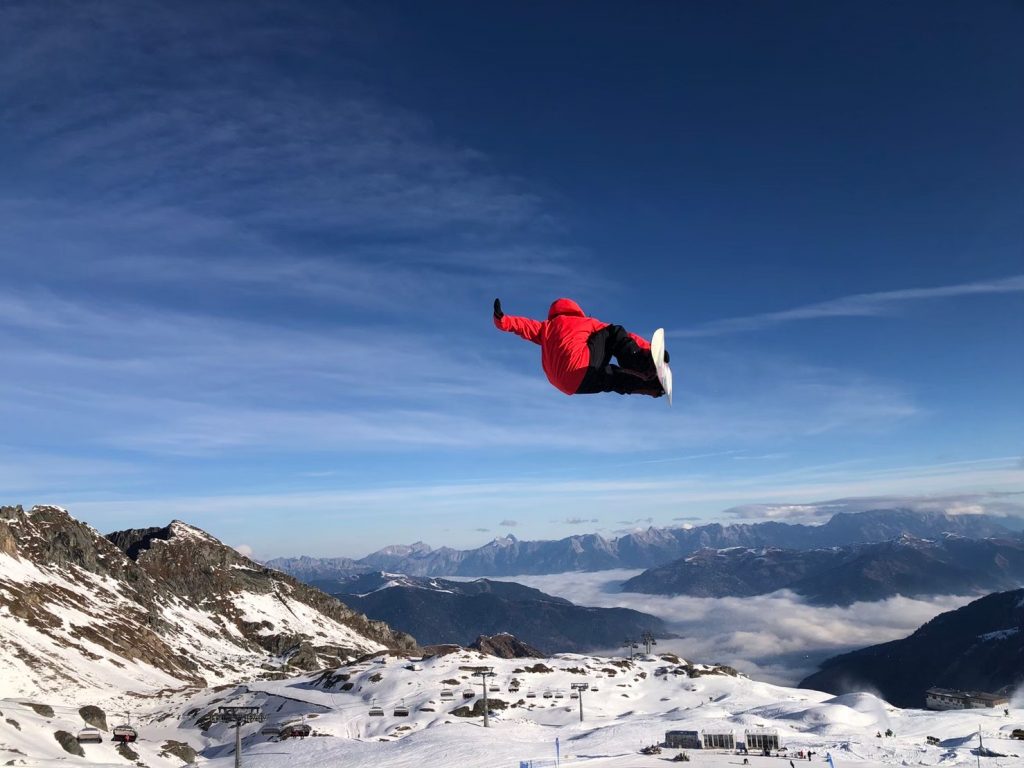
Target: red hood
[(564, 307)]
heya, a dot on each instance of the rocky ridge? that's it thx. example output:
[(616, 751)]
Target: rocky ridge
[(79, 614), (906, 565), (509, 556), (977, 647)]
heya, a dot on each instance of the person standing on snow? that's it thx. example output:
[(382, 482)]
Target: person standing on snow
[(576, 351)]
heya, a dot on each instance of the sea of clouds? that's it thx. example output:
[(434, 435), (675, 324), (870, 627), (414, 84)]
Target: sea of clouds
[(776, 637)]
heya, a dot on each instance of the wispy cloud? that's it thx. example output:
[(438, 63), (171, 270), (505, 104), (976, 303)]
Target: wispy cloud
[(1008, 503), (856, 305), (509, 523)]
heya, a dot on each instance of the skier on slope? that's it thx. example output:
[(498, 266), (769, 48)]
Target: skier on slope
[(576, 351)]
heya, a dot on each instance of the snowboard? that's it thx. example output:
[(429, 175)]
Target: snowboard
[(660, 366)]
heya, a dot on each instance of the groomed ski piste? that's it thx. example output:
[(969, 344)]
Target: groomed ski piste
[(628, 705)]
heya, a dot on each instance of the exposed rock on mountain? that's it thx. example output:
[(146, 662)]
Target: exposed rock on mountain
[(843, 575), (78, 614), (508, 556), (440, 611), (977, 647), (505, 646)]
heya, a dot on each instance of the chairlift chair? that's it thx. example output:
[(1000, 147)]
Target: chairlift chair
[(376, 711), (447, 693), (124, 733), (401, 710), (468, 693), (90, 736)]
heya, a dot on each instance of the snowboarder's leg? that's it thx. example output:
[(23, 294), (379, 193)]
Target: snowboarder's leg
[(602, 376), (627, 352), (612, 378)]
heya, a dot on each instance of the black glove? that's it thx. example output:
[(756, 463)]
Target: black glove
[(666, 355), (498, 314)]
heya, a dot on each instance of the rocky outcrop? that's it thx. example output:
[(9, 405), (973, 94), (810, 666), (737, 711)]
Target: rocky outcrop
[(197, 566), (69, 743), (505, 646), (94, 716), (174, 600)]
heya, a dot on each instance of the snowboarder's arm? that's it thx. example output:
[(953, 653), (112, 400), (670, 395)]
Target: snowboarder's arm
[(525, 327)]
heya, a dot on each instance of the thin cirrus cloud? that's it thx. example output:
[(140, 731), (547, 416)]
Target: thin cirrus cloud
[(216, 184), (170, 381), (997, 504), (857, 305)]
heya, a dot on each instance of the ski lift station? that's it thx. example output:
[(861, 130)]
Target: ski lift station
[(944, 698), (682, 739), (757, 739), (761, 739), (711, 739)]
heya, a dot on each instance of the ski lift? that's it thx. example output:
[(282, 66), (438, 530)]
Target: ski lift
[(376, 711), (294, 730), (90, 736), (468, 693), (270, 729), (447, 693), (401, 710), (574, 695), (530, 694), (494, 688), (559, 695), (594, 688), (428, 707), (548, 694), (124, 734)]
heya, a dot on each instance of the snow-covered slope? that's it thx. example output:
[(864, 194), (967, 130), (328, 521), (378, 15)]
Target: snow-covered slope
[(84, 621), (628, 705)]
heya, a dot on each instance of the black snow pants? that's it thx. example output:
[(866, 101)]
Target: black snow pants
[(634, 373)]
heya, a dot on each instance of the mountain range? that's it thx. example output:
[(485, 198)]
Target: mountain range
[(508, 556), (156, 608), (842, 575), (977, 647), (440, 611)]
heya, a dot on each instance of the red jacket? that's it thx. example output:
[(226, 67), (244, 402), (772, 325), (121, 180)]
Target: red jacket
[(563, 341)]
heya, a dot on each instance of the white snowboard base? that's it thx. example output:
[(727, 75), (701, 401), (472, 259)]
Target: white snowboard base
[(660, 366)]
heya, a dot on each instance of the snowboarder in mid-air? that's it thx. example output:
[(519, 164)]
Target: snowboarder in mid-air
[(576, 351)]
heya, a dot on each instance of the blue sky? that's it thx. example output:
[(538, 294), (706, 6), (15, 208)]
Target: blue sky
[(249, 252)]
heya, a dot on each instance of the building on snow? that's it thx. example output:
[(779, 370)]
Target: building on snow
[(946, 698), (761, 739), (718, 739), (682, 739)]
